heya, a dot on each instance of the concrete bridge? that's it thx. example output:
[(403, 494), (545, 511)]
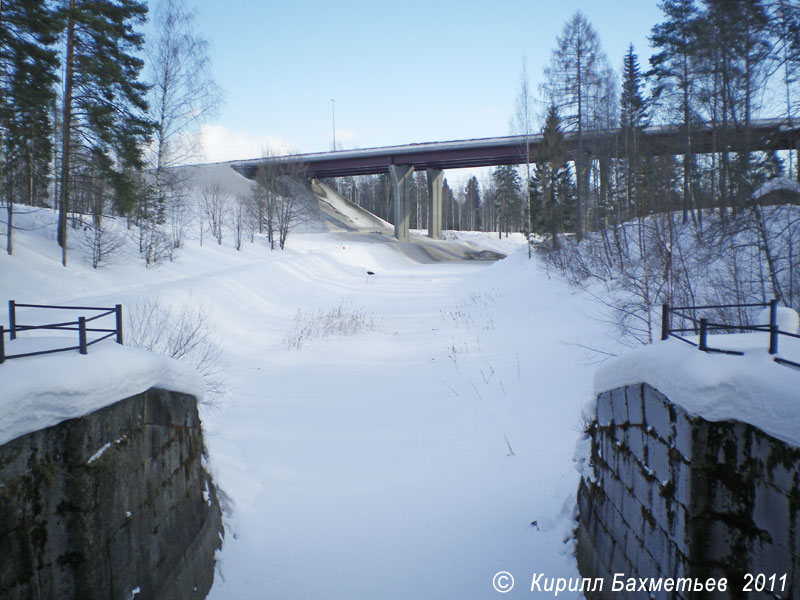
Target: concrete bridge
[(401, 161)]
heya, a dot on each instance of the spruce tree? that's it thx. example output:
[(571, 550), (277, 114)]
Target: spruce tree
[(472, 204), (104, 100), (577, 85), (507, 192), (448, 206), (633, 119), (553, 178)]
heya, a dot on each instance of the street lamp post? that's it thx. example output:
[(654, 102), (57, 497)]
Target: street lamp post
[(333, 122)]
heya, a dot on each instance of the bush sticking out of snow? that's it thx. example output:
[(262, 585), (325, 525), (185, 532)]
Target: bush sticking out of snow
[(633, 268), (185, 333), (473, 310), (343, 321)]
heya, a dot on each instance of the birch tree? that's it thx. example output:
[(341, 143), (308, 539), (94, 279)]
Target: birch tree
[(523, 125), (183, 96)]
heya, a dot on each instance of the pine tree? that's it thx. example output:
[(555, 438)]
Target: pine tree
[(736, 49), (104, 100), (28, 66), (674, 70), (784, 21)]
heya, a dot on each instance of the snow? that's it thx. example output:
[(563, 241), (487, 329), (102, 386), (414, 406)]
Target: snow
[(407, 461), (103, 448), (718, 387), (786, 318), (777, 184), (42, 391), (200, 177), (99, 453), (378, 465), (352, 212)]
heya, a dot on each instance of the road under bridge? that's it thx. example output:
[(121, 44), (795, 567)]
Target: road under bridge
[(434, 157)]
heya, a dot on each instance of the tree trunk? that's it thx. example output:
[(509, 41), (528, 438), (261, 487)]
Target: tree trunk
[(65, 138)]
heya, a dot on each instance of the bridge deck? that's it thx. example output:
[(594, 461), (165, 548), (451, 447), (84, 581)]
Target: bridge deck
[(768, 135)]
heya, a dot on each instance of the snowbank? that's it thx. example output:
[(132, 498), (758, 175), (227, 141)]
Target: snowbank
[(718, 387), (786, 318), (777, 184), (42, 391)]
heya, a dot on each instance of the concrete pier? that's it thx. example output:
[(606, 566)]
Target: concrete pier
[(401, 183), (435, 179)]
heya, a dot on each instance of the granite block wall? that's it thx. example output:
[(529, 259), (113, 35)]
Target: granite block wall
[(114, 505), (672, 495)]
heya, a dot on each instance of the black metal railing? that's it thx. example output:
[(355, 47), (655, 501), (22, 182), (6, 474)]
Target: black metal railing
[(701, 326), (80, 326)]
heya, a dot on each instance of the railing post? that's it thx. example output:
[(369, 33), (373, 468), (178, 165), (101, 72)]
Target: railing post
[(2, 344), (12, 319), (118, 308), (773, 326), (665, 324), (703, 345), (82, 335)]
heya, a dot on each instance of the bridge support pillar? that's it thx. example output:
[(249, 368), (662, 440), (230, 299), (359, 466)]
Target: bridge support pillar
[(605, 181), (401, 182), (435, 179)]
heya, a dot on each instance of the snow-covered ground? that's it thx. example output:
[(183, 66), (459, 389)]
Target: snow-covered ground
[(379, 465), (415, 456), (408, 460)]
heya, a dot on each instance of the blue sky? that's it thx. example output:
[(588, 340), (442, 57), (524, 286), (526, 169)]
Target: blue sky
[(399, 72)]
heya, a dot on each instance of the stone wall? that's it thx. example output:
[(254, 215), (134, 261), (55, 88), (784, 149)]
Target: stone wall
[(113, 505), (675, 496)]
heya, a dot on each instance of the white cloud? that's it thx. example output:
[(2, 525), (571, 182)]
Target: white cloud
[(221, 143)]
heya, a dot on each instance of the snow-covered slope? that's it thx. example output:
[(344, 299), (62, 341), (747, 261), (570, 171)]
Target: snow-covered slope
[(343, 209), (408, 460), (316, 213)]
